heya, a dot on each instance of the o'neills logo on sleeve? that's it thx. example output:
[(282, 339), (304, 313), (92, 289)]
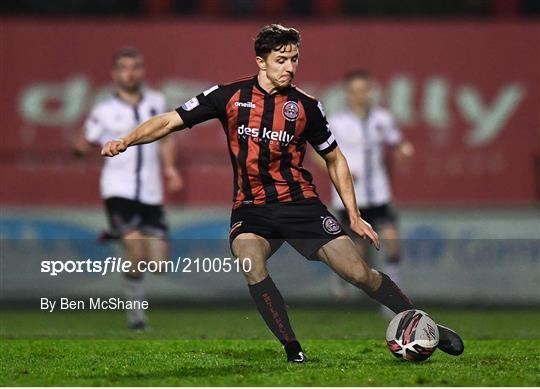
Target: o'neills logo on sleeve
[(265, 135)]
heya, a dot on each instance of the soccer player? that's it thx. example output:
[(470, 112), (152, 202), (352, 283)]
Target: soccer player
[(131, 185), (268, 122), (364, 131)]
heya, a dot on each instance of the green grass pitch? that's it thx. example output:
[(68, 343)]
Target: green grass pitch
[(216, 347)]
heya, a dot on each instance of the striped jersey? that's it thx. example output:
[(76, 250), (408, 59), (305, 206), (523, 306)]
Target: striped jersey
[(267, 136)]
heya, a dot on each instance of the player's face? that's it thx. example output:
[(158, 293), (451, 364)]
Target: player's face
[(358, 91), (128, 74), (280, 65)]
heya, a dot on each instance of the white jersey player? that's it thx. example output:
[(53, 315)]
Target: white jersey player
[(363, 141), (136, 175), (365, 132), (131, 185)]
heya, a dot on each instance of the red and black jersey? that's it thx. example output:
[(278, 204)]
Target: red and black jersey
[(267, 137)]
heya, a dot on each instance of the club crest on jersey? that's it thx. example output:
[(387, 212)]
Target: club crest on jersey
[(291, 111), (331, 225)]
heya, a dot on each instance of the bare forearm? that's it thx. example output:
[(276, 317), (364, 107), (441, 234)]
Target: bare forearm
[(150, 131)]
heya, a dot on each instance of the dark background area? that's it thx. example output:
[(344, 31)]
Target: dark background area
[(483, 9)]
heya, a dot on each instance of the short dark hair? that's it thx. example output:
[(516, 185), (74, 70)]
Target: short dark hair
[(362, 74), (129, 52), (274, 37)]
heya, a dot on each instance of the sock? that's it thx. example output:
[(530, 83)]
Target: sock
[(272, 308), (390, 295), (133, 288)]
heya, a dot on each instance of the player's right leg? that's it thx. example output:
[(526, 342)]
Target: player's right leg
[(265, 294)]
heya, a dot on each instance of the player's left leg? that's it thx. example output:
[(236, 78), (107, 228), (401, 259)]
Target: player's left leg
[(341, 255), (133, 243)]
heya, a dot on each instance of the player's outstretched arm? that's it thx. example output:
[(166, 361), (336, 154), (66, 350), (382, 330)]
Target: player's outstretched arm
[(339, 172), (150, 131)]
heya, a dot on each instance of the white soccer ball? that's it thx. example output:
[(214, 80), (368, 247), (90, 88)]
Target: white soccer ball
[(412, 335)]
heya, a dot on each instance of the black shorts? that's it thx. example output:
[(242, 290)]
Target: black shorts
[(127, 215), (377, 216), (306, 224)]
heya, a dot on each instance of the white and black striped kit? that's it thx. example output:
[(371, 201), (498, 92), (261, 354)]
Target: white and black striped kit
[(362, 141), (134, 174)]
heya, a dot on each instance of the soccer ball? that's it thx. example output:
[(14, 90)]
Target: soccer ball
[(412, 335)]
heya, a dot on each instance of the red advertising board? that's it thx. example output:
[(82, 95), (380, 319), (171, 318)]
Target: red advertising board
[(466, 94)]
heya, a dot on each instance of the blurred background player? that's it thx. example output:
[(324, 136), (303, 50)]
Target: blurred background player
[(131, 185), (365, 132)]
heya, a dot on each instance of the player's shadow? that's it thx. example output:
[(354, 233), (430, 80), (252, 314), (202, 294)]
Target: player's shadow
[(243, 362)]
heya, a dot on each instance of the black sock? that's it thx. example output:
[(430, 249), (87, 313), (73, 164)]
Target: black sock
[(272, 308), (390, 295)]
